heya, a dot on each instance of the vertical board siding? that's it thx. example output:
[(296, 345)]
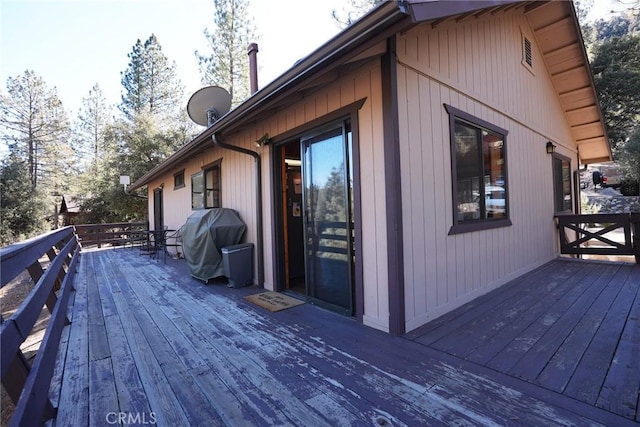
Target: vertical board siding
[(474, 66), (368, 83), (238, 179)]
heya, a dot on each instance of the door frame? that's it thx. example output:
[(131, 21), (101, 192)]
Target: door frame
[(158, 208), (348, 112)]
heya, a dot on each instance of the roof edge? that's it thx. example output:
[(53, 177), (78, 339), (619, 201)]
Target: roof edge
[(379, 18), (429, 10)]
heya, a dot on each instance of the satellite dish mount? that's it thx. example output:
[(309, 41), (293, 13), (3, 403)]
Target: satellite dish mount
[(207, 105), (212, 116)]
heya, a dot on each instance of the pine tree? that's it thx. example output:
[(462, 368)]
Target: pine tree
[(154, 126), (143, 144), (616, 69), (150, 82), (227, 64), (330, 214), (19, 209), (615, 63), (352, 11), (103, 198), (33, 123), (35, 127), (151, 129), (91, 125)]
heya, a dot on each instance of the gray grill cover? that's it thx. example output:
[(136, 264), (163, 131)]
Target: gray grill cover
[(204, 234)]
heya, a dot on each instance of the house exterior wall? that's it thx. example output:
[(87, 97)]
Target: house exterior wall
[(238, 189), (475, 66), (238, 179)]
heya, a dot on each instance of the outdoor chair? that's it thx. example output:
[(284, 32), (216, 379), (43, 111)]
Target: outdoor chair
[(170, 238), (151, 243), (158, 241)]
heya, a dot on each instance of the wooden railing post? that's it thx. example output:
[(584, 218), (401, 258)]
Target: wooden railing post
[(635, 222), (35, 271), (16, 377)]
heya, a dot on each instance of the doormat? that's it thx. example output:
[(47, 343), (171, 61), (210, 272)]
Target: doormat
[(273, 301)]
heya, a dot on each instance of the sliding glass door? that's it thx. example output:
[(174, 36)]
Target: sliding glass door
[(328, 228)]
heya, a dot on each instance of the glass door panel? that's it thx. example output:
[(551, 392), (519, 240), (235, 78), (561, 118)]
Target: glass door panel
[(327, 224)]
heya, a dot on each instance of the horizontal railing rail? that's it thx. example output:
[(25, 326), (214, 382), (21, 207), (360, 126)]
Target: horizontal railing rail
[(332, 237), (114, 234), (590, 234), (28, 384)]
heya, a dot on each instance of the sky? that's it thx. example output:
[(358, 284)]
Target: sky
[(73, 44)]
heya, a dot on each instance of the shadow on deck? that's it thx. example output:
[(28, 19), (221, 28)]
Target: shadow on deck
[(150, 344)]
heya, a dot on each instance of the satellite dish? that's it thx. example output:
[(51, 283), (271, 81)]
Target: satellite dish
[(208, 104)]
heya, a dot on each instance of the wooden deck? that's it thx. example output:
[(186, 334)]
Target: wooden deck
[(149, 344), (570, 327)]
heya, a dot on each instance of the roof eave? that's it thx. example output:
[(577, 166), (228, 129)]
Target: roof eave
[(422, 11), (567, 63), (593, 89), (380, 18)]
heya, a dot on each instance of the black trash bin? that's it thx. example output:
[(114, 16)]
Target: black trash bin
[(238, 264)]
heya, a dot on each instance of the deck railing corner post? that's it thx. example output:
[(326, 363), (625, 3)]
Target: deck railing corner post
[(634, 218)]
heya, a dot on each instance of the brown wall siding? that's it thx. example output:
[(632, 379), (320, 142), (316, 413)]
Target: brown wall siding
[(475, 67), (238, 189), (372, 181)]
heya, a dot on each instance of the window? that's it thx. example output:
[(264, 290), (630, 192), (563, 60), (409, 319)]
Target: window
[(479, 173), (562, 184), (178, 180), (206, 187)]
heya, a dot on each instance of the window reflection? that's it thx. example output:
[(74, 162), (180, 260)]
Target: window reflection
[(480, 173)]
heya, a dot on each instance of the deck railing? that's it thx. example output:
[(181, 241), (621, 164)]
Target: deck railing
[(28, 385), (591, 234), (332, 237), (114, 234)]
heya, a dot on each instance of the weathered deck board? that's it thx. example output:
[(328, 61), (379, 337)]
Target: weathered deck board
[(620, 392), (539, 329), (538, 345), (450, 322), (587, 380), (102, 388), (518, 311), (181, 340), (73, 407), (561, 366), (160, 377), (338, 391), (245, 363), (102, 391), (576, 334), (132, 397), (191, 354), (98, 344), (416, 402), (56, 379)]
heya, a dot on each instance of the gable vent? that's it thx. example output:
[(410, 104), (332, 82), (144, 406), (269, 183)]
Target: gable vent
[(527, 56)]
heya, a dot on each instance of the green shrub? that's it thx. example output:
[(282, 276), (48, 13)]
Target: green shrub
[(630, 187)]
